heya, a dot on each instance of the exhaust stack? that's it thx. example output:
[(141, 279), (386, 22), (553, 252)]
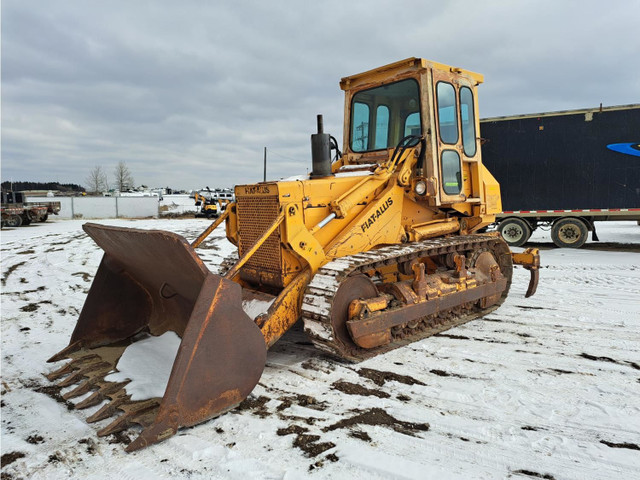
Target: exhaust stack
[(321, 152)]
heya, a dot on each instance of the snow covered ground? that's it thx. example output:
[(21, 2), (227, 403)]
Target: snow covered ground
[(175, 205), (545, 387)]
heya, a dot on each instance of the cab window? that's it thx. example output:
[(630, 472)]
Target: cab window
[(447, 113), (468, 121), (451, 172), (412, 124), (382, 127), (382, 116), (360, 127)]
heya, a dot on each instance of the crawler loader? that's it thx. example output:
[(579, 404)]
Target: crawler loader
[(377, 247)]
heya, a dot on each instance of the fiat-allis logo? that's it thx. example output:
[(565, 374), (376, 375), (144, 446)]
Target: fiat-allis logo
[(257, 189), (375, 215)]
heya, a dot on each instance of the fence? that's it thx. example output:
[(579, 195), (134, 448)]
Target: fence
[(103, 207)]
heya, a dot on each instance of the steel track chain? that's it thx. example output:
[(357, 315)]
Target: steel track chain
[(318, 298)]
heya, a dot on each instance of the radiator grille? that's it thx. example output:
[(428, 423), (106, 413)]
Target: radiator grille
[(255, 215)]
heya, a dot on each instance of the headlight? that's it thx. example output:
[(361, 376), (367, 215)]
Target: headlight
[(421, 187)]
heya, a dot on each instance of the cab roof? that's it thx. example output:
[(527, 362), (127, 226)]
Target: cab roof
[(403, 66)]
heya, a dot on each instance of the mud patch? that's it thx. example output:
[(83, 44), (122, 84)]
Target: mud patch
[(531, 473), (291, 430), (306, 442), (119, 437), (530, 428), (360, 435), (310, 446), (301, 400), (35, 439), (452, 336), (317, 366), (610, 360), (442, 373), (599, 359), (355, 389), (377, 416), (85, 276), (527, 307), (91, 445), (9, 458), (52, 391), (332, 457), (381, 377), (32, 307), (70, 240), (630, 446), (9, 271), (26, 252), (54, 458), (256, 405)]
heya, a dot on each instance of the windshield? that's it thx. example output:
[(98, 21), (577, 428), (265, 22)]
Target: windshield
[(382, 116)]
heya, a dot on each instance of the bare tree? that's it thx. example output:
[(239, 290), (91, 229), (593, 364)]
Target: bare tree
[(97, 180), (124, 179)]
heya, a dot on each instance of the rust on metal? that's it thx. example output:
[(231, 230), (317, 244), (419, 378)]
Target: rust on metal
[(381, 321), (222, 353)]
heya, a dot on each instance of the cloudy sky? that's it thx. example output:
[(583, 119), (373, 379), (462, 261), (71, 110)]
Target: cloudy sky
[(188, 93)]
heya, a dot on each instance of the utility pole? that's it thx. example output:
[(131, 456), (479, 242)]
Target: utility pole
[(265, 164)]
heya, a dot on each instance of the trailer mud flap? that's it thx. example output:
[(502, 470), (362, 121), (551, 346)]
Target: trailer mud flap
[(151, 280)]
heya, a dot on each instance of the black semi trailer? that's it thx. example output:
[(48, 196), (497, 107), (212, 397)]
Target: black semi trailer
[(565, 169)]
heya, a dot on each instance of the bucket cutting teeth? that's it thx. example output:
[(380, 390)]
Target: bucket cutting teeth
[(138, 413), (88, 371), (92, 370), (72, 366), (101, 395), (151, 282)]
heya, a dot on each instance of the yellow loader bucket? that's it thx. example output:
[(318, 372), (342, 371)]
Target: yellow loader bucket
[(153, 281)]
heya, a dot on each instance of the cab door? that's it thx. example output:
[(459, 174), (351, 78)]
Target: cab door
[(455, 184)]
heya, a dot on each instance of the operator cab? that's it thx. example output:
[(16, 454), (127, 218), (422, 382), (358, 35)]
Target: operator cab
[(435, 103)]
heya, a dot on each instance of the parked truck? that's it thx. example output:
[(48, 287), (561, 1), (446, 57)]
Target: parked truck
[(10, 213), (30, 211), (566, 170)]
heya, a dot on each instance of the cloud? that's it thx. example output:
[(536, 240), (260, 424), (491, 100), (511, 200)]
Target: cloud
[(189, 93)]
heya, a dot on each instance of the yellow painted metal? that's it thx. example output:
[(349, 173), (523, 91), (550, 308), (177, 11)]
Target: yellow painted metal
[(436, 228), (196, 243), (379, 223), (236, 268), (285, 310), (375, 304), (529, 258), (331, 217)]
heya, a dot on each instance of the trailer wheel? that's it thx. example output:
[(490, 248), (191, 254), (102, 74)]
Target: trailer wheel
[(569, 233), (13, 221), (44, 218), (515, 231)]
